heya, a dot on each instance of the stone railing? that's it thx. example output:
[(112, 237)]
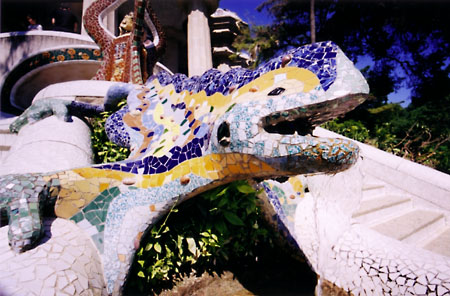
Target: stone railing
[(426, 185)]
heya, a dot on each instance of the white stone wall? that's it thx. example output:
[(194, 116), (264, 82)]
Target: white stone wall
[(428, 186)]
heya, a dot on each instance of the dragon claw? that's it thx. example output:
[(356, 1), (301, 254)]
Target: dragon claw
[(22, 197)]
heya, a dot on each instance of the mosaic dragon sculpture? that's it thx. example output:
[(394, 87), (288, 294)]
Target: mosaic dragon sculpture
[(189, 135)]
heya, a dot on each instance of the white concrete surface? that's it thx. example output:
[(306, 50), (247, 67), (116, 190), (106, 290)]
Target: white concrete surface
[(49, 145), (71, 89), (7, 138)]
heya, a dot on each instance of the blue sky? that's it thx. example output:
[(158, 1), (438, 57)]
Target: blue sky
[(401, 96), (246, 9)]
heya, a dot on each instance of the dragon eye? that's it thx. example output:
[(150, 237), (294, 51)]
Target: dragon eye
[(277, 91), (223, 134)]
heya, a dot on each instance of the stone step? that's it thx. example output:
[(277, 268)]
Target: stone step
[(7, 138), (441, 243), (412, 227), (371, 211), (6, 141), (372, 189), (7, 121)]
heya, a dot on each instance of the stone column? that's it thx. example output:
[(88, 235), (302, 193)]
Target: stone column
[(199, 40)]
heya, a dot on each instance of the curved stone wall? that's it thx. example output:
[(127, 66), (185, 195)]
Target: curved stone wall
[(21, 45), (34, 55)]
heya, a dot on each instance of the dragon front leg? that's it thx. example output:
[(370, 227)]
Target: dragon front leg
[(39, 110), (23, 198)]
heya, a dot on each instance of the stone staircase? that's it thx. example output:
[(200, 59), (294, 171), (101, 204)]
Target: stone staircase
[(403, 200), (7, 138), (394, 213)]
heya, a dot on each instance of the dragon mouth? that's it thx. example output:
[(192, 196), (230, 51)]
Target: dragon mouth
[(297, 151), (287, 125), (303, 120)]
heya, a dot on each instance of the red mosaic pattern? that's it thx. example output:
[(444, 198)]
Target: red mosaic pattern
[(124, 57)]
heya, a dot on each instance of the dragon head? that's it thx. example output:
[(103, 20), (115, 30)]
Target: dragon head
[(268, 113), (273, 117)]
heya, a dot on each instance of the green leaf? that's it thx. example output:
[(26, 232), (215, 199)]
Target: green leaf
[(157, 247), (179, 243), (141, 262), (141, 274), (214, 237), (233, 218), (221, 193), (245, 188), (220, 226), (222, 202), (191, 245), (251, 208)]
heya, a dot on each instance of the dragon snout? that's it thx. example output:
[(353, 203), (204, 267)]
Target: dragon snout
[(307, 154)]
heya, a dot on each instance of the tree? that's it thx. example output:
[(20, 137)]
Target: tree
[(407, 41), (259, 41), (408, 44), (312, 21)]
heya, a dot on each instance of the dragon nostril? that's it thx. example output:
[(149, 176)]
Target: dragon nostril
[(276, 91), (223, 134)]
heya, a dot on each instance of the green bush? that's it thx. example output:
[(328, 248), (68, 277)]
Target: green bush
[(420, 134), (205, 233), (350, 128), (103, 149)]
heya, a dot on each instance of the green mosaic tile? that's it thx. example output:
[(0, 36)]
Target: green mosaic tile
[(94, 220), (23, 214), (98, 240), (90, 215), (100, 227), (102, 214), (77, 217), (27, 234), (18, 188), (92, 205)]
